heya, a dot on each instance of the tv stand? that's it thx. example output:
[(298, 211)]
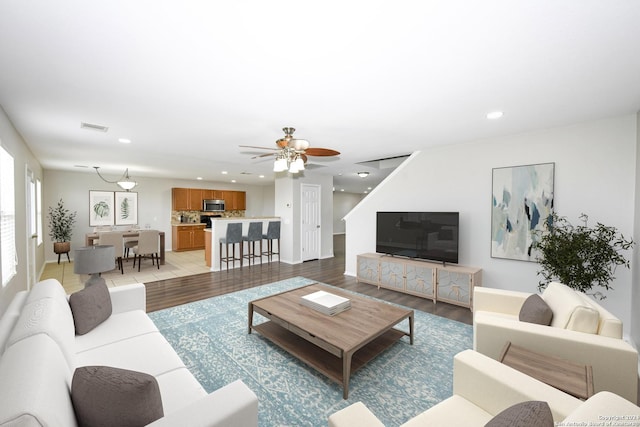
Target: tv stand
[(436, 281)]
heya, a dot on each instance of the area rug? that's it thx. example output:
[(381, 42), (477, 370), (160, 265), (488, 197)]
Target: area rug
[(211, 338)]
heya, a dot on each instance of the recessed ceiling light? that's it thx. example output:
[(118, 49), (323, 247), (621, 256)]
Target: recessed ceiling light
[(495, 115), (233, 180), (199, 178), (124, 140), (363, 174), (224, 172), (342, 189), (261, 176)]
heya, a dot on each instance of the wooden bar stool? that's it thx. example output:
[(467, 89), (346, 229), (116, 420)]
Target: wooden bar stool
[(254, 235), (233, 237), (273, 233)]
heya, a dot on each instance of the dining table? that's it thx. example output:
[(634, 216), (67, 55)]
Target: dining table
[(90, 238)]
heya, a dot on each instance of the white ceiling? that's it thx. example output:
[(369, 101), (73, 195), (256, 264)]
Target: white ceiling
[(189, 81)]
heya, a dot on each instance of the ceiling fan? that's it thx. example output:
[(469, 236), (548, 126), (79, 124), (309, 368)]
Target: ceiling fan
[(292, 153)]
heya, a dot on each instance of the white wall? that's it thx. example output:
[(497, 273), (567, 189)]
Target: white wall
[(23, 159), (635, 263), (287, 207), (342, 205), (154, 200), (594, 173)]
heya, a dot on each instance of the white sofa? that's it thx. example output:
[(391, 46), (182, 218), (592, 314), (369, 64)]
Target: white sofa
[(483, 387), (614, 361), (39, 353)]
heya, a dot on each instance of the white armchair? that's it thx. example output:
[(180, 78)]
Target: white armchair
[(614, 361)]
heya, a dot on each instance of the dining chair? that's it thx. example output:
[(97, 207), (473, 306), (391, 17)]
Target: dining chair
[(253, 235), (113, 238), (148, 247)]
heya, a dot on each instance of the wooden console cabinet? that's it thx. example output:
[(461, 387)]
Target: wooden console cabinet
[(448, 283)]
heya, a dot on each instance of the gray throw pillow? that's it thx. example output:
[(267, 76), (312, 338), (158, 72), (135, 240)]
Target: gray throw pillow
[(536, 310), (104, 396), (90, 307), (525, 414)]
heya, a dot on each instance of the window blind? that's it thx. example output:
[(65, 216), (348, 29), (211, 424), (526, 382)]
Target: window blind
[(7, 217)]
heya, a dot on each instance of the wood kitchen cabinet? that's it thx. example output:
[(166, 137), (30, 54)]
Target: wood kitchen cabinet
[(180, 199), (187, 199), (235, 200), (190, 199), (187, 237)]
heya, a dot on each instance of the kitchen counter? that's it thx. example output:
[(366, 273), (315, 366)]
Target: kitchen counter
[(219, 229)]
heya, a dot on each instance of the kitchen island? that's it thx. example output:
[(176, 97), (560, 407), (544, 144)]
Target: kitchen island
[(219, 229)]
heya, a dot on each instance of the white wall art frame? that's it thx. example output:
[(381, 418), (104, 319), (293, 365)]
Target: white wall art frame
[(521, 202), (126, 208), (100, 208)]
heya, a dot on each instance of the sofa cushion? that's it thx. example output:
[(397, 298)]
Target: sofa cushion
[(116, 328), (569, 309), (34, 384), (47, 316), (524, 414), (108, 396), (454, 411), (536, 310), (90, 307)]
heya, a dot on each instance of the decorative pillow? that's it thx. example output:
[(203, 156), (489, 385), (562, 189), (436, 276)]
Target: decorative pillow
[(525, 414), (536, 310), (90, 307), (107, 396)]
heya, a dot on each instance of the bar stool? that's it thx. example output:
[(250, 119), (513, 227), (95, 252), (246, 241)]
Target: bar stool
[(273, 233), (254, 235), (233, 237)]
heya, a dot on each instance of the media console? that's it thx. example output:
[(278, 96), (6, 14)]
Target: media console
[(448, 283)]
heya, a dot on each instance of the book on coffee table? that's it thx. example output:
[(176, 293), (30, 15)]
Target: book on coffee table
[(326, 303)]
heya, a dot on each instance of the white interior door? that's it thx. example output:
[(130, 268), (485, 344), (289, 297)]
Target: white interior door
[(310, 204)]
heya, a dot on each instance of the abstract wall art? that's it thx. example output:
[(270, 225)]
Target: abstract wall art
[(522, 199)]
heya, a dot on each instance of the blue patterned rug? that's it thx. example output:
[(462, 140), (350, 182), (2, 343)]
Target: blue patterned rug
[(211, 338)]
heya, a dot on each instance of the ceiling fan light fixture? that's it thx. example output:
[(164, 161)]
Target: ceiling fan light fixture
[(299, 144), (280, 165)]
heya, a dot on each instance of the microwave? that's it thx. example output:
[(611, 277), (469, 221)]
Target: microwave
[(213, 205)]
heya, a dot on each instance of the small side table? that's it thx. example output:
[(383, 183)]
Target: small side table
[(572, 378)]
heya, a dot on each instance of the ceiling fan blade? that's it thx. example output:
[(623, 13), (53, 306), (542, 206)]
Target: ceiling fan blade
[(263, 155), (321, 152), (260, 148)]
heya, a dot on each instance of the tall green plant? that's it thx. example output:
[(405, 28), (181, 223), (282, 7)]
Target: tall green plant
[(61, 222), (581, 257)]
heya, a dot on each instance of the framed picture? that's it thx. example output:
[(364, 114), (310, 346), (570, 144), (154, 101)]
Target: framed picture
[(521, 201), (126, 209), (100, 208)]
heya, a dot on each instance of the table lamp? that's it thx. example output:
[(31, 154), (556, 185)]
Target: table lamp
[(94, 260)]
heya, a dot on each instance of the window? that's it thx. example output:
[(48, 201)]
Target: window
[(7, 218), (39, 228)]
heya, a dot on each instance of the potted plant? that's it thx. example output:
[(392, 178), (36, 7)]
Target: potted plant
[(61, 222), (581, 257)]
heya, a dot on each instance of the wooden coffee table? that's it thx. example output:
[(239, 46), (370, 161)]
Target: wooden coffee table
[(336, 345)]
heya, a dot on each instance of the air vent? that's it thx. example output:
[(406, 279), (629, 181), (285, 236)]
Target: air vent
[(246, 173), (90, 126)]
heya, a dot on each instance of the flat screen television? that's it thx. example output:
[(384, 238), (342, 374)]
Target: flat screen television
[(426, 235)]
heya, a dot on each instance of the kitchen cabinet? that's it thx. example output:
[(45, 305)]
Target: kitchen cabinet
[(187, 237), (187, 199), (190, 199), (448, 283), (180, 199), (234, 200)]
